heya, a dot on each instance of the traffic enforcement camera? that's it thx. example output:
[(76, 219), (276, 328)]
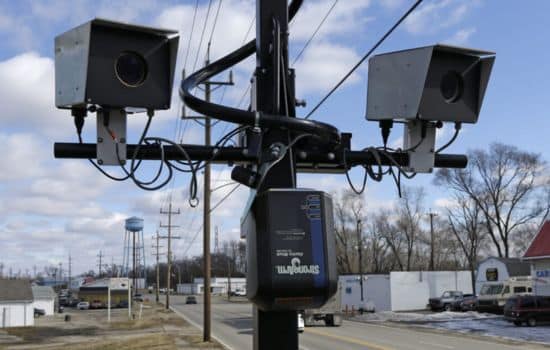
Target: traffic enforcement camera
[(290, 249), (115, 64)]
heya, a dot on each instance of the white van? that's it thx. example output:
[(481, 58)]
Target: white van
[(493, 295)]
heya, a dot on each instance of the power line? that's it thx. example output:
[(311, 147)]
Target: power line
[(191, 36), (378, 43), (202, 34), (315, 32), (215, 22)]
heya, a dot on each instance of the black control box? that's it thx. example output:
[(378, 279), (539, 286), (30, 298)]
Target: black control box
[(290, 249)]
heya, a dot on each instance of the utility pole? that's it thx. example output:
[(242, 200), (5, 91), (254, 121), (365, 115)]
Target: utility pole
[(206, 204), (70, 269), (169, 252), (360, 253), (274, 330), (157, 254), (100, 256), (432, 258)]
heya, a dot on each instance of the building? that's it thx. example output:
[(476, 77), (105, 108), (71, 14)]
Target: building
[(499, 270), (538, 255), (44, 298), (218, 285), (375, 292), (16, 302), (98, 291), (400, 291)]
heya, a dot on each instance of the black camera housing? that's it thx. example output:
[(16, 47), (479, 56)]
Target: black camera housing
[(115, 64)]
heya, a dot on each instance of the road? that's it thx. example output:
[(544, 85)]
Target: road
[(232, 326)]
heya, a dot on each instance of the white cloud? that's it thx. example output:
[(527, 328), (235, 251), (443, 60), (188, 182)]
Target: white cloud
[(461, 37), (433, 16), (324, 64)]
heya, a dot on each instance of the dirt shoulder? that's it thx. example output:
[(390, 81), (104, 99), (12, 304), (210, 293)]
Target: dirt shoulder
[(157, 329)]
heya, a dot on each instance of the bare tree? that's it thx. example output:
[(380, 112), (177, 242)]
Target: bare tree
[(349, 211), (408, 223), (465, 222), (504, 183)]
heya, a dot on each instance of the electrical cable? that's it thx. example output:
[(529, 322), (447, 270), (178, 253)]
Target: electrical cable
[(458, 126), (378, 43), (191, 35), (233, 115), (202, 34), (314, 33)]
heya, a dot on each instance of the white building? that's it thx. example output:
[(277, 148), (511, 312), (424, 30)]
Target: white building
[(400, 291), (538, 255), (500, 270), (218, 285), (44, 298), (375, 292), (16, 303)]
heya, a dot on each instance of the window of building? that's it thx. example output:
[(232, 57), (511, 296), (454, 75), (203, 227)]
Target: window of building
[(348, 290), (491, 274)]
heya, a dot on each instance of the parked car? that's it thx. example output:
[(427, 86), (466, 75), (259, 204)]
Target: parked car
[(138, 297), (527, 309), (300, 323), (96, 304), (468, 303), (240, 293), (39, 312), (191, 299), (450, 300), (83, 305), (123, 304)]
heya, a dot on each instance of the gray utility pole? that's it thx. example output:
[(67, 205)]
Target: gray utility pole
[(274, 92), (360, 253), (432, 247), (207, 264), (157, 254), (169, 252), (100, 256), (70, 269)]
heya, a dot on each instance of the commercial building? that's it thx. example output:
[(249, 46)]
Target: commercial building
[(218, 285), (16, 302), (538, 255), (44, 299), (400, 291), (500, 270), (98, 290)]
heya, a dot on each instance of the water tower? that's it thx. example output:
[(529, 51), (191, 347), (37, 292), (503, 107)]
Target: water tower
[(133, 261)]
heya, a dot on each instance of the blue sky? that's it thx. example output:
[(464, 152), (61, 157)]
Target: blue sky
[(52, 207)]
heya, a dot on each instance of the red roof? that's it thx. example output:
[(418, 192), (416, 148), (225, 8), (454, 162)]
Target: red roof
[(540, 246)]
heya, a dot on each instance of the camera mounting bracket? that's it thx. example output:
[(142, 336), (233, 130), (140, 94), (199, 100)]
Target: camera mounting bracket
[(111, 136)]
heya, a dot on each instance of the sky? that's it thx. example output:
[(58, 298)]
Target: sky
[(50, 208)]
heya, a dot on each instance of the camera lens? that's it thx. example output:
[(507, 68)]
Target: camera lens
[(452, 87), (131, 69)]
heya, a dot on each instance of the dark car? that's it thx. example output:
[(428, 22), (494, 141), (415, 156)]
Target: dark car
[(191, 300), (138, 297), (449, 301), (468, 303), (123, 304), (527, 309), (39, 312)]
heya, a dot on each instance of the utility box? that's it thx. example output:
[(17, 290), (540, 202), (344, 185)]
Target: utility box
[(290, 249), (115, 64)]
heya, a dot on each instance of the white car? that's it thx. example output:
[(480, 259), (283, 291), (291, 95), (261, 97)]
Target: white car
[(83, 305), (300, 323), (240, 293)]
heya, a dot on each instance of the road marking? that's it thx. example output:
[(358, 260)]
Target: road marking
[(194, 324), (436, 344), (348, 339)]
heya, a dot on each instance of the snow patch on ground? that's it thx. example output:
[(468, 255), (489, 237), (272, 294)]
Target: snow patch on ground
[(464, 322)]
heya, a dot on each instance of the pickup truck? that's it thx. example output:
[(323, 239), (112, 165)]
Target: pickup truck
[(450, 300)]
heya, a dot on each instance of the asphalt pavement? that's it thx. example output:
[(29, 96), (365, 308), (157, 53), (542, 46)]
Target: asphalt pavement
[(232, 326)]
